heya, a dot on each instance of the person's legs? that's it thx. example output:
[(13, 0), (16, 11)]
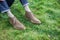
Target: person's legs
[(29, 13), (13, 20)]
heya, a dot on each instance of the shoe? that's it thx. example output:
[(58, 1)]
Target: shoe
[(30, 16), (16, 23)]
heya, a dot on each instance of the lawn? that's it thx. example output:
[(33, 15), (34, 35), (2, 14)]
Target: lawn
[(48, 11)]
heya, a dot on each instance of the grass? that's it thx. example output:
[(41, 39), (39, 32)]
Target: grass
[(48, 11)]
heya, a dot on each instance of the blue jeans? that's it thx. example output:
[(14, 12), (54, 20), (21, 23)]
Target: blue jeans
[(4, 5)]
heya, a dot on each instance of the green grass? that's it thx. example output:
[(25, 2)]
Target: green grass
[(48, 11)]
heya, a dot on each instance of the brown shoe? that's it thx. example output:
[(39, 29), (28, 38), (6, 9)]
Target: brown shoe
[(16, 23), (32, 18)]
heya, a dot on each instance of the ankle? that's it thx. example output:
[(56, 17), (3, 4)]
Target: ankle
[(10, 14), (27, 8)]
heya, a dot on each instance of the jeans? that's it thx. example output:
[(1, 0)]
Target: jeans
[(4, 5)]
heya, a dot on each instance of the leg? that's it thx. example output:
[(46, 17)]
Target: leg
[(25, 4), (29, 13), (4, 7), (13, 20)]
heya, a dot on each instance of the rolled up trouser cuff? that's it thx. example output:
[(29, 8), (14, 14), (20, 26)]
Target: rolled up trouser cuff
[(5, 11), (4, 7), (24, 2)]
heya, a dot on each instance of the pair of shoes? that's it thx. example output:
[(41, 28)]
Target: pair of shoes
[(18, 25)]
